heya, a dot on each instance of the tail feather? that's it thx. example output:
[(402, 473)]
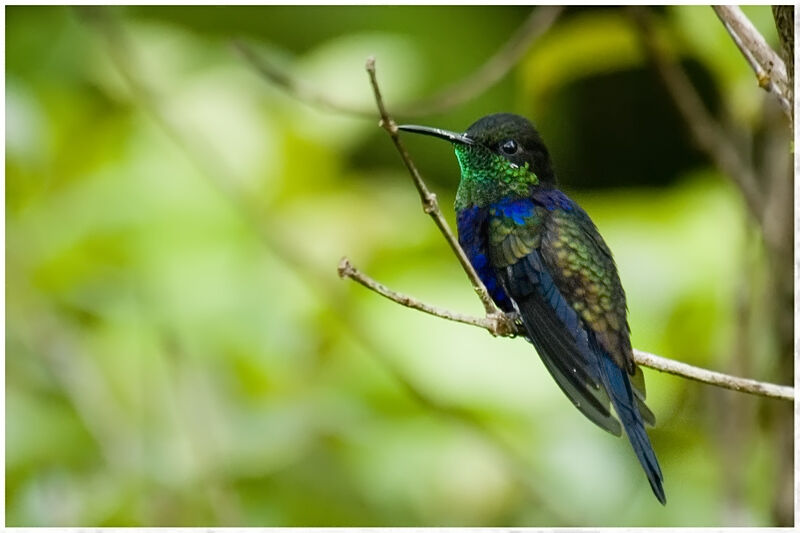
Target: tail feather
[(619, 389)]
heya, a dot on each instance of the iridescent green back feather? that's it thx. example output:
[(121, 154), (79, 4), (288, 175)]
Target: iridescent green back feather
[(586, 275)]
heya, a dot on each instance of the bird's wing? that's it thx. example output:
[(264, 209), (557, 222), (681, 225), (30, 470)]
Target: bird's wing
[(514, 233), (583, 269)]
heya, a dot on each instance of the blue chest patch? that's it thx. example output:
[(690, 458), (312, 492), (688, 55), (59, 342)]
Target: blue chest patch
[(472, 237), (516, 210)]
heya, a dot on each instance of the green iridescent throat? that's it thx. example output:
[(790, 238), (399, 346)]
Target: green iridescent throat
[(487, 177)]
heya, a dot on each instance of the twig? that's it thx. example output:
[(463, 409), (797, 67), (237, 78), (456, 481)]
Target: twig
[(656, 362), (706, 131), (347, 270), (677, 368), (766, 63), (297, 89), (492, 71), (429, 202), (539, 21)]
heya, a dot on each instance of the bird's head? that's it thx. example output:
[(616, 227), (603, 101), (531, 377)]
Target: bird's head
[(500, 155)]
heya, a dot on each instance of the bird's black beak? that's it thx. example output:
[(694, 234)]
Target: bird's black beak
[(453, 137)]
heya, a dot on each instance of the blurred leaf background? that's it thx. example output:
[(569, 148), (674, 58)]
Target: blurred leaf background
[(180, 351)]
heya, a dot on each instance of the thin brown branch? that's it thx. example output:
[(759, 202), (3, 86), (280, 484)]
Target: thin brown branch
[(677, 368), (656, 362), (707, 133), (429, 202), (487, 75), (769, 68), (501, 324)]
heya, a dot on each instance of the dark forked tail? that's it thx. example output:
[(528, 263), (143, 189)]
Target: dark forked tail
[(619, 389)]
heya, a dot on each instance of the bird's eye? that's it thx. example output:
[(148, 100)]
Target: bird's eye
[(509, 147)]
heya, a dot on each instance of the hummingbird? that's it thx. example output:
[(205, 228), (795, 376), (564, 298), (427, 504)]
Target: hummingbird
[(541, 257)]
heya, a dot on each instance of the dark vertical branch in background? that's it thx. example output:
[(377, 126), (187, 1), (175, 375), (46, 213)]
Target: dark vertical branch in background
[(778, 169), (784, 21), (778, 174), (733, 418)]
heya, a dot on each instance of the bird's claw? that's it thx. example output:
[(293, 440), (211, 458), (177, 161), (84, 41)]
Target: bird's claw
[(505, 324)]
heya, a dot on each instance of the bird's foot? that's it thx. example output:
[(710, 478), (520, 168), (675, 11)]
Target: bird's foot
[(504, 324)]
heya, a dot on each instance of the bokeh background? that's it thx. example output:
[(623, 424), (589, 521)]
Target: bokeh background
[(181, 352)]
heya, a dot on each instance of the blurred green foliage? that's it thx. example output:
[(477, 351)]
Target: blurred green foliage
[(180, 351)]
